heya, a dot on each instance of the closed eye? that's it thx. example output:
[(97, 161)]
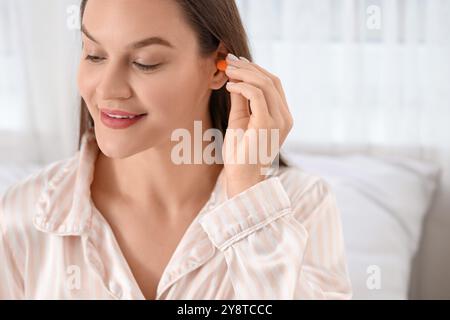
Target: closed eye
[(145, 67), (94, 58), (140, 66)]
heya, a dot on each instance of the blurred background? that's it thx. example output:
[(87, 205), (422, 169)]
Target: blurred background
[(368, 84)]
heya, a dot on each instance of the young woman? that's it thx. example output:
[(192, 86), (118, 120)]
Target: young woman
[(122, 220)]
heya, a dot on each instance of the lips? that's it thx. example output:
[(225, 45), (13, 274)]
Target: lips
[(120, 113), (118, 119)]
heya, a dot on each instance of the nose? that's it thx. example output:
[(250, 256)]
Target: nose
[(114, 83)]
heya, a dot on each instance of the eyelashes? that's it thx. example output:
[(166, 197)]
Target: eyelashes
[(94, 59), (143, 67)]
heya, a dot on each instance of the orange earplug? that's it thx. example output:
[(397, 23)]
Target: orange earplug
[(222, 65)]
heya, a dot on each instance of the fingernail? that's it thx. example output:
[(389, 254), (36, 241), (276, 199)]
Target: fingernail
[(232, 57), (230, 67), (244, 59)]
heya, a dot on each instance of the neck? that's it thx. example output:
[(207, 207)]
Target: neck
[(151, 179)]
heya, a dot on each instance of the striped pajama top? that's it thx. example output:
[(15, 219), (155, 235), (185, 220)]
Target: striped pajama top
[(280, 239)]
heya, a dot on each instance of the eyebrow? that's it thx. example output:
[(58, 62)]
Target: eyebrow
[(136, 45)]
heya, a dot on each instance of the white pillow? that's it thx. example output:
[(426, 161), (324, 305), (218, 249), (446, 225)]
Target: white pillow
[(383, 201)]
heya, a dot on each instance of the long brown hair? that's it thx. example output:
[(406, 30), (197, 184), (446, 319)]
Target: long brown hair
[(213, 21)]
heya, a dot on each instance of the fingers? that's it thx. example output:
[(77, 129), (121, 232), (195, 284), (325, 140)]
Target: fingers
[(275, 79), (262, 82), (246, 64), (255, 95), (239, 113)]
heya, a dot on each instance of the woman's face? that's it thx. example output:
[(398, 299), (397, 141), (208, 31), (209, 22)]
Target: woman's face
[(174, 93)]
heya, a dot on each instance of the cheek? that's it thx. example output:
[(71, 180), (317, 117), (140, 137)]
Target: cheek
[(162, 94), (176, 93), (86, 83)]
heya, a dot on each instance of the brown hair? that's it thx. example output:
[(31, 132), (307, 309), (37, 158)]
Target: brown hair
[(211, 20)]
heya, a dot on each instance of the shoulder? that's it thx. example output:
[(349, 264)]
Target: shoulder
[(18, 204)]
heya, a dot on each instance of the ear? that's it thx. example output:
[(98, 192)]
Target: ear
[(219, 78)]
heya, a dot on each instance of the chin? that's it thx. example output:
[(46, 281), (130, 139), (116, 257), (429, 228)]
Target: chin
[(116, 147), (116, 151), (121, 146)]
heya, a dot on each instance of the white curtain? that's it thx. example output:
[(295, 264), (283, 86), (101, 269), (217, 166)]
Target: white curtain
[(38, 96), (351, 80), (368, 72)]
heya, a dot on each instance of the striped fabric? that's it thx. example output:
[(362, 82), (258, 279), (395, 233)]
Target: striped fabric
[(280, 239)]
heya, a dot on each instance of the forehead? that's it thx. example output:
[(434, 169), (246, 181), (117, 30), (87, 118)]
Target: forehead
[(121, 22)]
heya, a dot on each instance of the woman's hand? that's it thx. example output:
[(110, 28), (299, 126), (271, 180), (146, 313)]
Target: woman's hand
[(258, 109)]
